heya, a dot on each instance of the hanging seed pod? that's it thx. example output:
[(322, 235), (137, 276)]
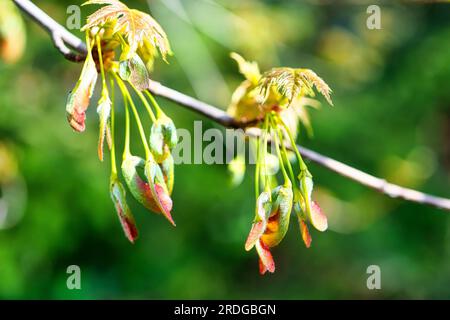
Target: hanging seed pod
[(104, 112), (298, 205), (167, 169), (163, 138), (137, 186), (118, 196), (263, 210), (266, 262), (278, 222), (79, 98), (313, 212), (318, 219), (306, 236), (159, 189)]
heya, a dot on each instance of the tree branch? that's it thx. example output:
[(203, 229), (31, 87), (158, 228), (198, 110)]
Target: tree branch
[(46, 22), (61, 37), (65, 51)]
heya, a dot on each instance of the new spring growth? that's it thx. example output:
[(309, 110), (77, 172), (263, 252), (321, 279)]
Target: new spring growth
[(276, 101), (136, 39)]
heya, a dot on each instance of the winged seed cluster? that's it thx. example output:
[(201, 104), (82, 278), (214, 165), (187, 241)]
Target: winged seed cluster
[(276, 101), (137, 38)]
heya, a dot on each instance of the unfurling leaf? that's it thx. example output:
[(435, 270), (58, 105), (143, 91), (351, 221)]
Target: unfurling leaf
[(148, 53), (312, 79), (292, 83), (104, 112), (135, 71), (249, 70), (163, 138), (79, 98), (118, 196), (135, 25), (158, 188), (139, 189)]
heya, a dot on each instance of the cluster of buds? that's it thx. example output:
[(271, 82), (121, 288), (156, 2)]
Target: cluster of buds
[(276, 101), (138, 38)]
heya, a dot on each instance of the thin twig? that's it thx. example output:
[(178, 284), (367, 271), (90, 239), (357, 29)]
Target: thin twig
[(61, 35), (52, 27), (65, 51)]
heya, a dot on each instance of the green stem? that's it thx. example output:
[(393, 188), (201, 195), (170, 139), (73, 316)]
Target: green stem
[(88, 45), (303, 167), (100, 59), (126, 94), (280, 158), (113, 147), (257, 168), (145, 102), (266, 134), (159, 111), (285, 156), (126, 149), (293, 145)]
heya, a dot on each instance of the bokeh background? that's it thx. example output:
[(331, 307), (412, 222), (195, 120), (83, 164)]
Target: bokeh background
[(391, 118)]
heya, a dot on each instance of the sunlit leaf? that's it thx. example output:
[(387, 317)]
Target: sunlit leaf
[(292, 83), (135, 71), (136, 26), (147, 52), (249, 70)]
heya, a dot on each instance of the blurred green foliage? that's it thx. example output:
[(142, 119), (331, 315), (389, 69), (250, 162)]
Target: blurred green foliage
[(391, 118)]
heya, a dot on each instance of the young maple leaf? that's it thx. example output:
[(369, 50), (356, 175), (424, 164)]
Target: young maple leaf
[(137, 27), (292, 83)]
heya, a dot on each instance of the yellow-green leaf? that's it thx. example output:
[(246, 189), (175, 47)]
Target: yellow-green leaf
[(134, 25), (249, 70)]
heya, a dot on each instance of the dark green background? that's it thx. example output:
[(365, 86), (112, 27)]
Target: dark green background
[(391, 118)]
